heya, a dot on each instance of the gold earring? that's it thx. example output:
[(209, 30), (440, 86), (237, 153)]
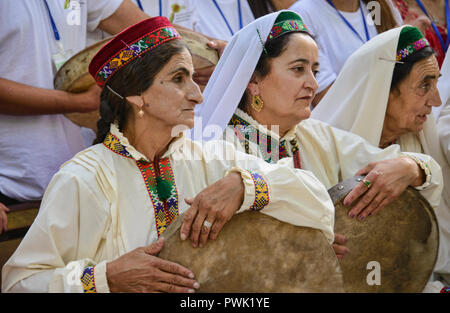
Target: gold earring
[(257, 103), (141, 114)]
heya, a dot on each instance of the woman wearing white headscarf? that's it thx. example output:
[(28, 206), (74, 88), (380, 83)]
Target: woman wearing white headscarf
[(385, 94), (282, 86)]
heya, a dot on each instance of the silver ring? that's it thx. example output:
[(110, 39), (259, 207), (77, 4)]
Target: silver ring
[(207, 224)]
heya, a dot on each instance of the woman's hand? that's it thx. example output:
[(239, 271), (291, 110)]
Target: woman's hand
[(141, 271), (3, 218), (211, 209), (387, 180), (338, 246)]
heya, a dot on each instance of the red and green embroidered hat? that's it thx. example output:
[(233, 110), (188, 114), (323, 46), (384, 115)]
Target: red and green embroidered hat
[(410, 41), (129, 44), (287, 22)]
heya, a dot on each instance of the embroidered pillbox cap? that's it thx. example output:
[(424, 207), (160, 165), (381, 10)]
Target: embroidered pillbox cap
[(287, 22), (411, 40), (130, 44)]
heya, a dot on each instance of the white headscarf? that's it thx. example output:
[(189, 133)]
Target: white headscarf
[(357, 101), (230, 78)]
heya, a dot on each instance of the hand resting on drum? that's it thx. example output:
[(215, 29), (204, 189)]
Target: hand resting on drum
[(385, 181), (211, 209), (141, 271)]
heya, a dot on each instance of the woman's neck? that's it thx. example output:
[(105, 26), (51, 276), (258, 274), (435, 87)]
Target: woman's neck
[(389, 136), (346, 5), (152, 141)]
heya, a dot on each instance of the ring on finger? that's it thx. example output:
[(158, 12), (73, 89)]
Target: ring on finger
[(207, 224), (366, 183)]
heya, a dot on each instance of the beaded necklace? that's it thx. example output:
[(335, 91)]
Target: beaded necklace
[(241, 127)]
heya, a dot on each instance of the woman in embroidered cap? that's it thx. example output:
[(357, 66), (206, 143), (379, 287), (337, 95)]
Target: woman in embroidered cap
[(268, 74), (385, 94), (103, 212)]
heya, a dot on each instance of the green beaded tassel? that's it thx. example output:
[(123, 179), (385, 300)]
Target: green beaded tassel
[(163, 188)]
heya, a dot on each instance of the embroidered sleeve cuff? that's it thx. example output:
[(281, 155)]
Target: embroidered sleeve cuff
[(256, 195), (88, 280), (426, 169)]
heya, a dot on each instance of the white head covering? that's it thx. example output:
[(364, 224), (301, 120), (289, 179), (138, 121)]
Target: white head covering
[(444, 85), (357, 101), (230, 78)]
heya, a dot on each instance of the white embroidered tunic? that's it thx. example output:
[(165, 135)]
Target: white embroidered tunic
[(103, 203)]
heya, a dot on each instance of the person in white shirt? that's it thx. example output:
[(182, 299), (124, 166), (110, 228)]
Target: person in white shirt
[(36, 137), (223, 18), (340, 27)]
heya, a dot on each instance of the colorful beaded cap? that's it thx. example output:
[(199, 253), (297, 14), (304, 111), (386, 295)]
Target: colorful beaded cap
[(131, 43), (411, 40), (287, 22)]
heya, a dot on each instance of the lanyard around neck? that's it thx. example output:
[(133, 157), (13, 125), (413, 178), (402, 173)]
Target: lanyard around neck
[(350, 25), (225, 19), (436, 30), (52, 22)]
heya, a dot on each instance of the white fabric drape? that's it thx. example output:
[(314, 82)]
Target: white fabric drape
[(443, 86), (231, 76)]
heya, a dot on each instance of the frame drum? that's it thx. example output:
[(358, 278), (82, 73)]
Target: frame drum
[(394, 250), (258, 253)]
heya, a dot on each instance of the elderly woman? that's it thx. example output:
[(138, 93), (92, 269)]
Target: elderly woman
[(104, 211), (385, 94), (263, 86)]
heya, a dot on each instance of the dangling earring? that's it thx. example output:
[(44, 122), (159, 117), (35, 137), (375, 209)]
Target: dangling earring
[(257, 103), (141, 114)]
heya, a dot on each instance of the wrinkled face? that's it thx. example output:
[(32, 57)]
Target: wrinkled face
[(290, 86), (173, 94), (409, 106)]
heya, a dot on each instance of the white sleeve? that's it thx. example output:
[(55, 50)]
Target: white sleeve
[(291, 195), (98, 10), (69, 227)]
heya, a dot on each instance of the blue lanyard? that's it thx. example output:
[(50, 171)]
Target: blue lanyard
[(436, 30), (350, 25), (55, 29), (225, 19), (139, 3)]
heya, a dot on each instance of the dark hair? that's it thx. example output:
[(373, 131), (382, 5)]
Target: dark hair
[(402, 70), (132, 79), (273, 48)]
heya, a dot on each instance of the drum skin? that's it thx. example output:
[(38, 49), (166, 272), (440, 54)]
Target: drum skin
[(257, 253), (402, 237), (74, 75)]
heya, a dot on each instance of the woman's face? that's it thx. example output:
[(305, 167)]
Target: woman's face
[(290, 86), (173, 95), (409, 104)]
